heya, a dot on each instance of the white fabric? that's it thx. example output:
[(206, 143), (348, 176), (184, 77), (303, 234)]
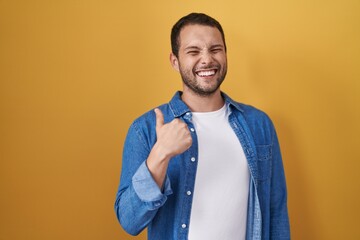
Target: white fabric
[(220, 197)]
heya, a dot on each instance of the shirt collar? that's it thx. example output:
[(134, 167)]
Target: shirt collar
[(179, 108), (231, 102)]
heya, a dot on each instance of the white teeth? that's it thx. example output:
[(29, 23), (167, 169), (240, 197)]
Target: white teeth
[(206, 73)]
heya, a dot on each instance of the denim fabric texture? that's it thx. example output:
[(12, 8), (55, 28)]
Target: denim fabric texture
[(140, 203)]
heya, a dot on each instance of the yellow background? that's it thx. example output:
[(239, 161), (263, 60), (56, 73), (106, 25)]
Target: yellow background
[(74, 74)]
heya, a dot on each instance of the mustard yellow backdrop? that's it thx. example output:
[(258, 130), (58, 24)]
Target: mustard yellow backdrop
[(74, 74)]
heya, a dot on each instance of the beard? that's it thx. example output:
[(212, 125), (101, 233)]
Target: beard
[(190, 79)]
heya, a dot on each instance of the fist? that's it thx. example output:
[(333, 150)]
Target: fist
[(174, 137)]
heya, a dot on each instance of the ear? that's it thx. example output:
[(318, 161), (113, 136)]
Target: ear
[(174, 61)]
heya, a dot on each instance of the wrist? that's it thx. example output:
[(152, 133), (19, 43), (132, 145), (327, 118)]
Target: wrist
[(160, 153)]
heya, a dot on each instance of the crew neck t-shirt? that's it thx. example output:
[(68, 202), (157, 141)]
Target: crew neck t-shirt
[(220, 196)]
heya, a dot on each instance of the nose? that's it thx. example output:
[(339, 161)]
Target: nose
[(206, 58)]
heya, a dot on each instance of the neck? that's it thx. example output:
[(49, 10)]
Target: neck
[(198, 103)]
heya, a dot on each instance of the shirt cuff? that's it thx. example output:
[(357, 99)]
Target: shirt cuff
[(147, 189)]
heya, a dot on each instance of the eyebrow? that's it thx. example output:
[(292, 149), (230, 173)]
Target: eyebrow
[(192, 48), (216, 46)]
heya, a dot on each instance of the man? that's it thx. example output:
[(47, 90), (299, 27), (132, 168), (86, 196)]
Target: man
[(202, 167)]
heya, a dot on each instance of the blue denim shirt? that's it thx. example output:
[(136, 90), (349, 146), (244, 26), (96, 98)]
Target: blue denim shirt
[(140, 203)]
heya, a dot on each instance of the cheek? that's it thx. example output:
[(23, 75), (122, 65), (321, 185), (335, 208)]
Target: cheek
[(188, 61), (222, 59), (187, 67)]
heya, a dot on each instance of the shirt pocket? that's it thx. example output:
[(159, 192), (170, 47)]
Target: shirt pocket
[(264, 162)]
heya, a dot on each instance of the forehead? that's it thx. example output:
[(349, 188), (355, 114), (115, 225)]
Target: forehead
[(199, 35)]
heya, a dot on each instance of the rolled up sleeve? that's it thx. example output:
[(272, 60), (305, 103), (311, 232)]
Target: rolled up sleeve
[(147, 189)]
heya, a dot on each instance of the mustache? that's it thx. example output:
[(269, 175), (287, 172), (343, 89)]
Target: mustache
[(210, 66)]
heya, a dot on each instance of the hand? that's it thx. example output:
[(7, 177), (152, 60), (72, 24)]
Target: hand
[(174, 137)]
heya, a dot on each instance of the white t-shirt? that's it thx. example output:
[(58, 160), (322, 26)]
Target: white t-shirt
[(220, 197)]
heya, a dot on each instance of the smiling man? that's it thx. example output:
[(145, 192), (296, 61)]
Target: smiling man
[(202, 167)]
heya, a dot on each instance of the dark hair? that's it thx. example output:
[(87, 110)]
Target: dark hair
[(192, 19)]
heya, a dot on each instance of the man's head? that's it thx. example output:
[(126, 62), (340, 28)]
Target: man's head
[(192, 19), (199, 54)]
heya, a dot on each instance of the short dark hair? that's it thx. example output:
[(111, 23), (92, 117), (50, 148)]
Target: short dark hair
[(192, 19)]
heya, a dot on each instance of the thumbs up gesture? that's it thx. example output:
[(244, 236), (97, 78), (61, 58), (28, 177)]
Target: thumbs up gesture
[(174, 137)]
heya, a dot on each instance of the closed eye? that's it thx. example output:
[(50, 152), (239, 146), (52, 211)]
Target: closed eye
[(193, 53), (216, 50)]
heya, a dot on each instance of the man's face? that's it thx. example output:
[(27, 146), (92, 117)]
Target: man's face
[(201, 60)]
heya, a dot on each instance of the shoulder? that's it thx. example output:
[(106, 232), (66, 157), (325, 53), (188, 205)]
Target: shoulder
[(250, 113), (257, 121)]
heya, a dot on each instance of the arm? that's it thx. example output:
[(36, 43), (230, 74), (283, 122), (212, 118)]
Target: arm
[(143, 172), (279, 221)]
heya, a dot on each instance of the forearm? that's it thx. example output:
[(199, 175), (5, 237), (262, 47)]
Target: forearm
[(137, 201), (157, 164), (131, 212)]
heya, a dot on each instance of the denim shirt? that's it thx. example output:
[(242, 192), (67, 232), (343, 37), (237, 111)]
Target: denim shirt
[(140, 203)]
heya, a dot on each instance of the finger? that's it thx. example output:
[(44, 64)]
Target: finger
[(159, 118)]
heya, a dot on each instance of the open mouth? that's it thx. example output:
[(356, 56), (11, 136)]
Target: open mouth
[(206, 73)]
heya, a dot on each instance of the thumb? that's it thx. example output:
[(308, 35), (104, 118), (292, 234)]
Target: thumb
[(159, 118)]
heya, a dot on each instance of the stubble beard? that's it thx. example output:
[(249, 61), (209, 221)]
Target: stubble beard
[(189, 79)]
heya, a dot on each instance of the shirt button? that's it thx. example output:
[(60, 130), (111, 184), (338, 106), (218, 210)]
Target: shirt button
[(188, 193), (183, 225), (192, 159), (188, 113), (192, 129)]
